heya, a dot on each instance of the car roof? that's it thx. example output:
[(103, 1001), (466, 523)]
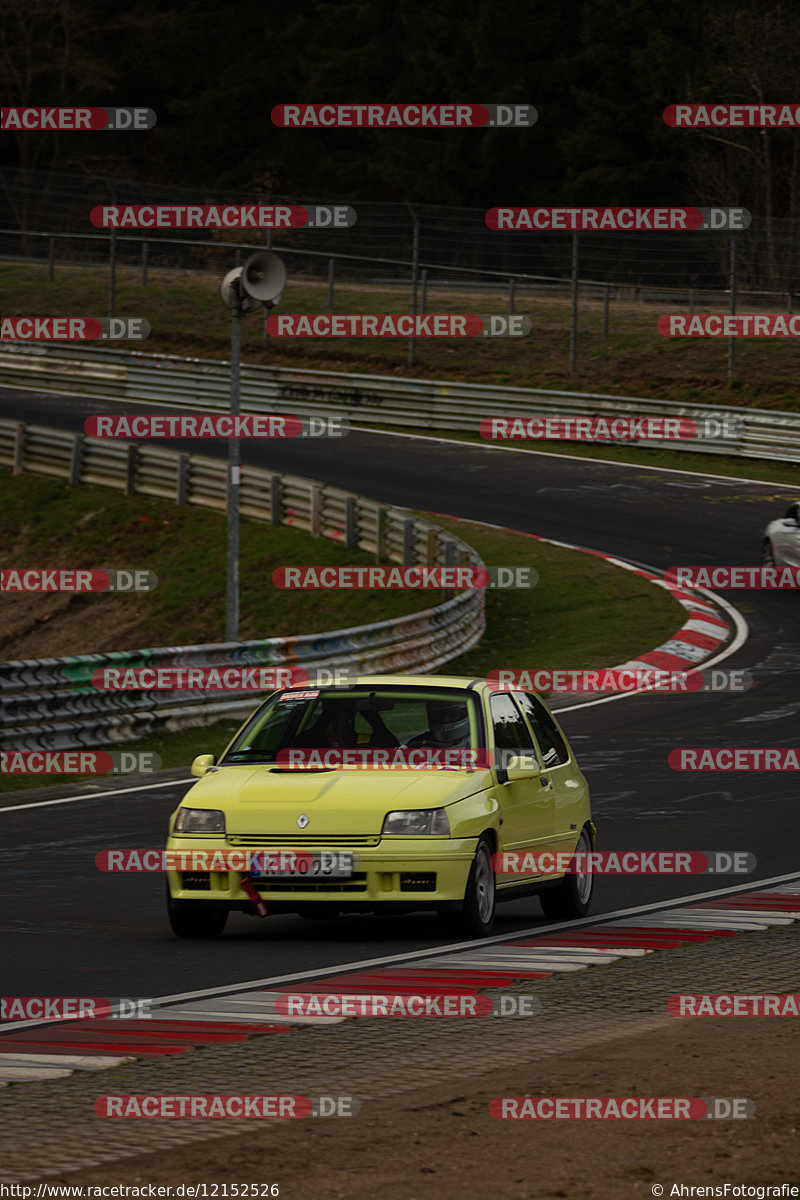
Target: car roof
[(463, 682)]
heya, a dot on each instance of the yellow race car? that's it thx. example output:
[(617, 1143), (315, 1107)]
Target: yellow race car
[(392, 793)]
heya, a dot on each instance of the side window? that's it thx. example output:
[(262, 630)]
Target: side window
[(554, 751), (511, 734)]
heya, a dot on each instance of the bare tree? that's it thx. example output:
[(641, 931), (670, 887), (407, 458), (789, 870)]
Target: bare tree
[(45, 60), (753, 49)]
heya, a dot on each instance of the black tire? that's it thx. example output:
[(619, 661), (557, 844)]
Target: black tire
[(475, 918), (573, 896), (767, 554), (201, 924)]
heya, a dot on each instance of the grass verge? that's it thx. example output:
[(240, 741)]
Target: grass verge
[(582, 613), (188, 318), (48, 523)]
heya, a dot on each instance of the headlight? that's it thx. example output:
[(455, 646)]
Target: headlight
[(417, 821), (200, 820)]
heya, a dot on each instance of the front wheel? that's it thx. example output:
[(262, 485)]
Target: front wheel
[(572, 897), (202, 924), (475, 918), (767, 554)]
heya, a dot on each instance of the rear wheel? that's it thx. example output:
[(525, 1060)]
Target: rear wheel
[(573, 896), (475, 918), (201, 924)]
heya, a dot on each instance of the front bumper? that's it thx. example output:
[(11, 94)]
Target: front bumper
[(397, 873)]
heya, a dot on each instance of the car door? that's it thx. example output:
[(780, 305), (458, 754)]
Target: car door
[(526, 805), (569, 786)]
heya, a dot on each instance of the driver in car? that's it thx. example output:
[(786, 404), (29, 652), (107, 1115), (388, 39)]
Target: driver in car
[(448, 725)]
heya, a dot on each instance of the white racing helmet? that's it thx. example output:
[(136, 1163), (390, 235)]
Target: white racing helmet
[(448, 721)]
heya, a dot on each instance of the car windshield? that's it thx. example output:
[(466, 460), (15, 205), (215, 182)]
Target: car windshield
[(359, 717)]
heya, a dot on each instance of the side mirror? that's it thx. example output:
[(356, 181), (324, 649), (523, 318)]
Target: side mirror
[(202, 763), (518, 766)]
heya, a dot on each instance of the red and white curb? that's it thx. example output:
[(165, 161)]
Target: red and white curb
[(56, 1050), (552, 953), (699, 639), (711, 624), (702, 636)]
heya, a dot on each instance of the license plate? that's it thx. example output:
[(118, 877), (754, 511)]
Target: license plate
[(301, 864)]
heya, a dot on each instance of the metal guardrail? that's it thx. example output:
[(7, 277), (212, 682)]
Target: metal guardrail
[(50, 704), (414, 403)]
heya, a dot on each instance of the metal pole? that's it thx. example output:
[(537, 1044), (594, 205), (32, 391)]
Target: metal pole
[(263, 200), (112, 253), (732, 340), (112, 271), (331, 270), (145, 255), (511, 285), (423, 308), (51, 251), (573, 325), (414, 280), (789, 303), (234, 472), (606, 293)]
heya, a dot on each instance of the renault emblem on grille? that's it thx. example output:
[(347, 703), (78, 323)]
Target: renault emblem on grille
[(302, 820)]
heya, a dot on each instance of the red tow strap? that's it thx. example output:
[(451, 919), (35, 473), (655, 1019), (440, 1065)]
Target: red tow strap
[(248, 888)]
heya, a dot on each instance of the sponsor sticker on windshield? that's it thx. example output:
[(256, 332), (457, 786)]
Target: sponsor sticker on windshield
[(309, 695)]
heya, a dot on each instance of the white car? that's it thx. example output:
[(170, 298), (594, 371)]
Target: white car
[(781, 544)]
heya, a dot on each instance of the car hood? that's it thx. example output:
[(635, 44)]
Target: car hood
[(259, 799)]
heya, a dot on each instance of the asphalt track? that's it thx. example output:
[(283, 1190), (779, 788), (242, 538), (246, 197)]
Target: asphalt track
[(70, 930)]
